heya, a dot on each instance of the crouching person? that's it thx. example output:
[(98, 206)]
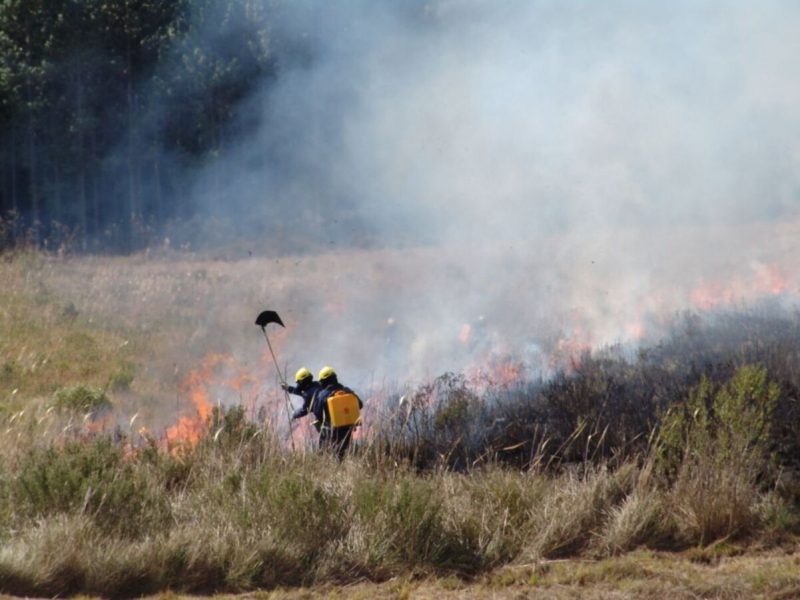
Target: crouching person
[(337, 410)]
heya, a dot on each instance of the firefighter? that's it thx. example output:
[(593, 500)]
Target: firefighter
[(306, 388), (331, 436)]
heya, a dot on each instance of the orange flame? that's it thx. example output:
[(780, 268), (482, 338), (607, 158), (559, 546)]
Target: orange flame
[(767, 280), (188, 431), (710, 295), (772, 280), (231, 383), (496, 373), (569, 349)]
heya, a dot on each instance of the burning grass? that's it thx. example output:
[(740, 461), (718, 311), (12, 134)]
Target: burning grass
[(687, 444), (237, 511)]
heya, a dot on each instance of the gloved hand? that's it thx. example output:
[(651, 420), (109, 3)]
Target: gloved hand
[(284, 386)]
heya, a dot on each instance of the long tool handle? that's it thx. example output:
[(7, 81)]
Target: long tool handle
[(283, 381)]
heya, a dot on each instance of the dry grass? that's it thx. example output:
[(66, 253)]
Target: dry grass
[(243, 514), (116, 516), (642, 574)]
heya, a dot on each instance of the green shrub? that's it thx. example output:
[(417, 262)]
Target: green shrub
[(713, 450), (81, 399), (453, 413), (728, 424), (307, 516), (504, 503), (121, 380), (93, 479)]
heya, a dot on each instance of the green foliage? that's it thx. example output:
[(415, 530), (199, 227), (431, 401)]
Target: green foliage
[(714, 449), (453, 413), (81, 399), (727, 424), (6, 508), (127, 82), (443, 421), (412, 525), (92, 479), (121, 380)]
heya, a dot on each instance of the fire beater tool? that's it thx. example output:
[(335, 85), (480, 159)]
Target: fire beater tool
[(265, 318)]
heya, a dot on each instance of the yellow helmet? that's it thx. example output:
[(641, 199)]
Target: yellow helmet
[(302, 373), (325, 373)]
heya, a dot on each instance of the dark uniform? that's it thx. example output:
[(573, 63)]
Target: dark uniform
[(306, 389), (333, 438)]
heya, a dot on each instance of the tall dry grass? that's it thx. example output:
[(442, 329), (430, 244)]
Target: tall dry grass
[(239, 512)]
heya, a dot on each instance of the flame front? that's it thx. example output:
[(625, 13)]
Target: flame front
[(190, 429), (764, 281), (491, 360)]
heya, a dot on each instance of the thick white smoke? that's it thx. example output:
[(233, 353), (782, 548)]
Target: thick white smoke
[(571, 172)]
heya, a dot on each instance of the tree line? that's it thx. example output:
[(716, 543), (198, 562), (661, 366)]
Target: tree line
[(104, 104)]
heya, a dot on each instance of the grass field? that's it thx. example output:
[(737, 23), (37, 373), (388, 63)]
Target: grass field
[(664, 475)]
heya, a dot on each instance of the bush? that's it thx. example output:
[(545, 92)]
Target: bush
[(727, 424), (93, 479), (605, 408), (440, 423), (121, 380), (714, 448), (81, 399)]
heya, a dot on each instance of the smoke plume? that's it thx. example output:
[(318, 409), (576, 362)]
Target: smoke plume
[(527, 179)]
